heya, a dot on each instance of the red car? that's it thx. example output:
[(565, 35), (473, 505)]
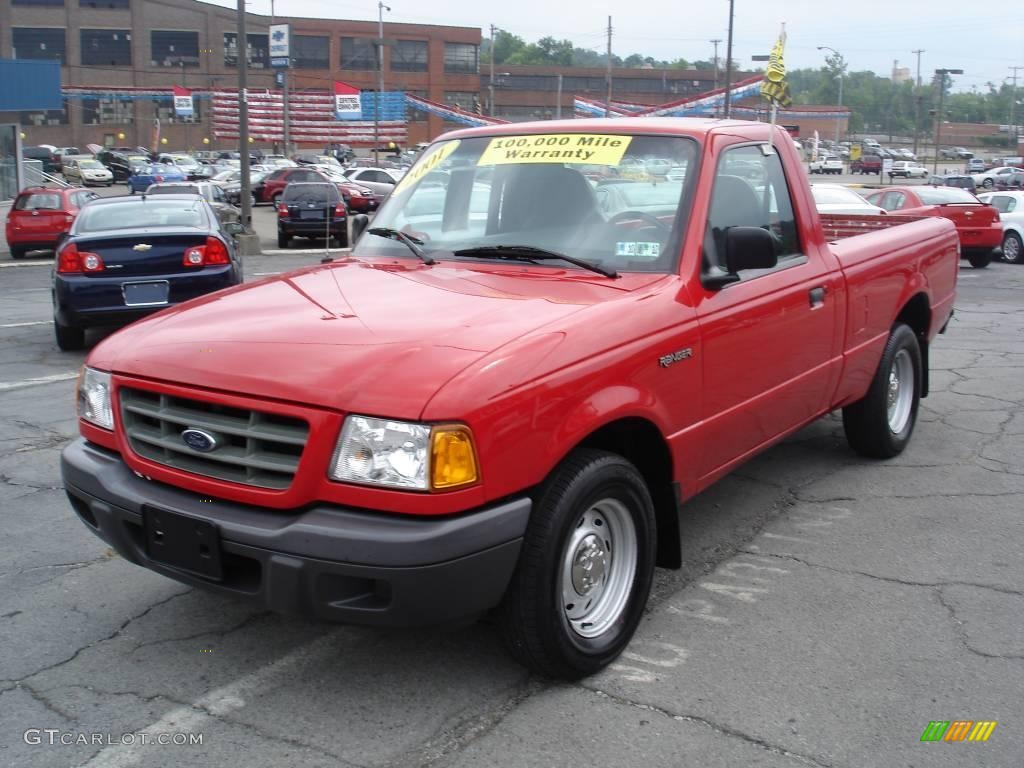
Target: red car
[(276, 181), (41, 216), (359, 198), (977, 223)]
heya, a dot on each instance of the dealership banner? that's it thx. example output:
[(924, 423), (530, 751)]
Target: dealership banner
[(348, 104), (183, 106)]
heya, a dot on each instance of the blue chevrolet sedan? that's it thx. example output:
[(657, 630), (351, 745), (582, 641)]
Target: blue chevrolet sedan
[(157, 173), (125, 258)]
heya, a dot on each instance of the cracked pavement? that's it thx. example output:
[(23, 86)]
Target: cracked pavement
[(828, 608)]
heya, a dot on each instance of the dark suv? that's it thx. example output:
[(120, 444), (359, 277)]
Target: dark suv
[(313, 210), (121, 163), (44, 155), (869, 164)]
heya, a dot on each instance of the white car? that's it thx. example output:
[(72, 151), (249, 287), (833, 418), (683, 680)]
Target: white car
[(908, 170), (826, 164), (835, 198), (86, 171), (989, 179), (378, 175), (1011, 213)]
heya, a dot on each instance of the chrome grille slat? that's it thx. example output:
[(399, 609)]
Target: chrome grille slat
[(260, 448)]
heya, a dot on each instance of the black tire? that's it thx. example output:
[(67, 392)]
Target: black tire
[(18, 252), (69, 338), (532, 616), (1015, 255), (339, 241), (980, 260), (988, 183), (866, 422), (283, 240)]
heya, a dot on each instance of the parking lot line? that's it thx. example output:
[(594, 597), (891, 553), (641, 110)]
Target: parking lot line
[(22, 325), (218, 702), (7, 386), (25, 263)]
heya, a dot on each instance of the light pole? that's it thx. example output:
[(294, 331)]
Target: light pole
[(715, 43), (728, 63), (380, 80), (490, 81), (839, 77), (938, 115)]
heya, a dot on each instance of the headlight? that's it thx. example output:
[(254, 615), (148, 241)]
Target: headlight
[(94, 398), (400, 454)]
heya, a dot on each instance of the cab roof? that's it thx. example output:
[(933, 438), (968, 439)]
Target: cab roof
[(694, 127)]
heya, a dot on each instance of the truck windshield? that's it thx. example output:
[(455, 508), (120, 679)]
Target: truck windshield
[(603, 198)]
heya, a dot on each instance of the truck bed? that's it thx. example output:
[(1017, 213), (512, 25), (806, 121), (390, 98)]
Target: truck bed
[(837, 226)]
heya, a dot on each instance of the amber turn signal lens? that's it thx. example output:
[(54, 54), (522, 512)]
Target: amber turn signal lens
[(453, 458)]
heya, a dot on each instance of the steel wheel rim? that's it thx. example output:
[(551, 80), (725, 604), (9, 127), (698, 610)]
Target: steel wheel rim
[(1011, 248), (900, 392), (598, 568)]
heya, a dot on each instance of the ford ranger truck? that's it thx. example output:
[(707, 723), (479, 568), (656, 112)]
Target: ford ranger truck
[(499, 400)]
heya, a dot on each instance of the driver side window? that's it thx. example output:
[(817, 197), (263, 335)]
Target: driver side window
[(750, 190)]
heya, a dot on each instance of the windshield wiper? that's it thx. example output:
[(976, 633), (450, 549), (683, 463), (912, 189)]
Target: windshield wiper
[(531, 253), (412, 243)]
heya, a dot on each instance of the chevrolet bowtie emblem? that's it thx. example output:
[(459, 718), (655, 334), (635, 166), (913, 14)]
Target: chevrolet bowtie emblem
[(142, 247)]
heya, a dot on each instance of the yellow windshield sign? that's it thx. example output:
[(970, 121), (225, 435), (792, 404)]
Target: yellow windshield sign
[(434, 157), (579, 148)]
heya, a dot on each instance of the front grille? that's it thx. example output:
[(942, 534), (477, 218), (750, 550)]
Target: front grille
[(254, 448)]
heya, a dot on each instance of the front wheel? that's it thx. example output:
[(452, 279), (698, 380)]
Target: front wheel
[(1012, 247), (585, 568), (880, 424)]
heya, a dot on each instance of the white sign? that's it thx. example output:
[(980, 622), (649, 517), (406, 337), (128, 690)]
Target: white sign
[(183, 106), (348, 106), (280, 42)]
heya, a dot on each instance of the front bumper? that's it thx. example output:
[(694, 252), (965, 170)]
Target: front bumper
[(325, 561)]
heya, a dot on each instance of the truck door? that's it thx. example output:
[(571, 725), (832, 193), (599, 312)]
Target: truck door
[(767, 339)]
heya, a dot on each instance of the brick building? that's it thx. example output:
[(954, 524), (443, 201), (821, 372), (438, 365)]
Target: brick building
[(160, 43)]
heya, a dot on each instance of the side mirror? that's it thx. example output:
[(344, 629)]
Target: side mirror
[(359, 224), (749, 248), (234, 228)]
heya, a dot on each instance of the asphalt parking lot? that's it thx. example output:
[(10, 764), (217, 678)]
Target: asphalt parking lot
[(829, 608)]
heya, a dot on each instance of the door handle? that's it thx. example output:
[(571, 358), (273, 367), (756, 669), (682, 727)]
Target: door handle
[(817, 296)]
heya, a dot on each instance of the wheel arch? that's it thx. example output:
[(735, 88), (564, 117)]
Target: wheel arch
[(917, 314), (642, 443)]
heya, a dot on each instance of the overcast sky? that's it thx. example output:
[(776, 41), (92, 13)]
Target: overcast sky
[(984, 42)]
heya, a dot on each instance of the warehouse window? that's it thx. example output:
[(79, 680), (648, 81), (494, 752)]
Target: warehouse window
[(414, 115), (409, 56), (103, 4), (116, 111), (45, 117), (257, 51), (38, 2), (106, 46), (357, 53), (174, 49), (38, 43), (311, 52), (461, 57), (465, 100), (164, 112)]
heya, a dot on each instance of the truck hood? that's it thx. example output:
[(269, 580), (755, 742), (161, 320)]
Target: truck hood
[(371, 336)]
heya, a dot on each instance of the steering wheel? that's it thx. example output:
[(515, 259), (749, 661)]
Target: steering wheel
[(619, 218)]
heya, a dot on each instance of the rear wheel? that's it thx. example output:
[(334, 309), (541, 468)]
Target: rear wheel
[(18, 252), (1012, 248), (283, 240), (988, 183), (69, 338), (980, 260), (585, 568), (880, 424)]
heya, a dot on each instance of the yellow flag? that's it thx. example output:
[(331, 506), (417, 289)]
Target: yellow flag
[(775, 88)]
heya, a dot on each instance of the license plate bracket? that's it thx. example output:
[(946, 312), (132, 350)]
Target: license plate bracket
[(147, 294), (182, 542)]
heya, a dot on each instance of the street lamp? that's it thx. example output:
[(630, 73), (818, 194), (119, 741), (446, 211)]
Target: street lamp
[(380, 80), (938, 115), (839, 77)]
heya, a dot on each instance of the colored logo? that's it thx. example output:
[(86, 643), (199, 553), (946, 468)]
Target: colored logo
[(198, 440), (278, 35), (958, 730)]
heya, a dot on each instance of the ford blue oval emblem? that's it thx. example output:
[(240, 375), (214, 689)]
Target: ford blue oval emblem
[(198, 440)]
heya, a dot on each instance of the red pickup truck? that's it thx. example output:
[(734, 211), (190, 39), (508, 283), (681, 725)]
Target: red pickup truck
[(501, 397)]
